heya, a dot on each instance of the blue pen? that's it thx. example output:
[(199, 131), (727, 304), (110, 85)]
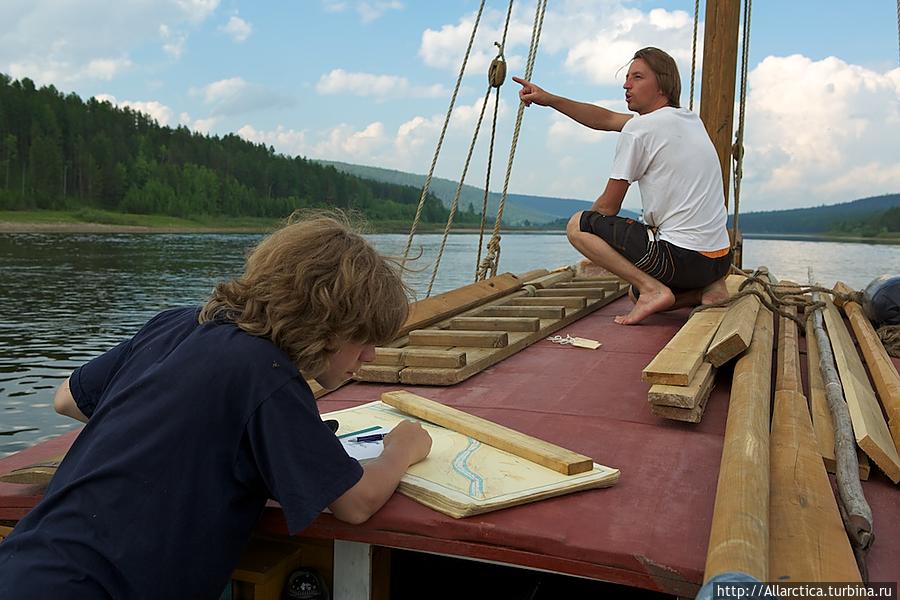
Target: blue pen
[(375, 437)]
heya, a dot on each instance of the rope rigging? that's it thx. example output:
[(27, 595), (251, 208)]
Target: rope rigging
[(486, 266), (694, 50), (737, 150)]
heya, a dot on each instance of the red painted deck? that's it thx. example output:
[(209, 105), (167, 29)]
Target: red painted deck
[(649, 530)]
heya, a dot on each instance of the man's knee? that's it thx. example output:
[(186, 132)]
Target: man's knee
[(574, 226)]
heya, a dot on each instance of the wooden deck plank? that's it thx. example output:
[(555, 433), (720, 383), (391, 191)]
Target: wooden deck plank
[(541, 312), (869, 426), (567, 302), (581, 292), (735, 332), (495, 323), (442, 337)]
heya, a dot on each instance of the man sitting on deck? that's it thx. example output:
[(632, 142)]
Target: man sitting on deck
[(205, 414), (682, 255)]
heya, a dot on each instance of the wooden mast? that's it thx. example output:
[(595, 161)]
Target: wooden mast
[(720, 49)]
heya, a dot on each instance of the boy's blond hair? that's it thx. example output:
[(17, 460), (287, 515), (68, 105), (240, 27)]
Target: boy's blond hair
[(311, 286)]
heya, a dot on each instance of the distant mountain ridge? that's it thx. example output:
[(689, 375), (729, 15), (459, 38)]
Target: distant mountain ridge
[(520, 209), (817, 219)]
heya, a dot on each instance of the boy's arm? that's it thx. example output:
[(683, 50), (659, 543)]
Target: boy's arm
[(64, 403), (406, 445)]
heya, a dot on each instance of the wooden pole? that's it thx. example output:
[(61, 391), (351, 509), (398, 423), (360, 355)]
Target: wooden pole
[(859, 514), (739, 535), (720, 49)]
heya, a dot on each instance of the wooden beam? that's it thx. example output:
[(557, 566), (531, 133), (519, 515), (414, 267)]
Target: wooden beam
[(541, 312), (424, 357), (379, 373), (551, 279), (431, 310), (38, 473), (580, 292), (720, 49), (869, 428), (610, 284), (685, 396), (739, 535), (807, 541), (496, 323), (472, 339), (787, 369), (823, 423), (567, 302), (736, 331), (688, 415), (528, 276), (679, 360), (884, 374), (534, 449)]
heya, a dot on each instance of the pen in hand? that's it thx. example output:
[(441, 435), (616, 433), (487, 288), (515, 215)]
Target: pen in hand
[(375, 437)]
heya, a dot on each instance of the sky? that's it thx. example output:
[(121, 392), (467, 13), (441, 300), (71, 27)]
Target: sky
[(370, 81)]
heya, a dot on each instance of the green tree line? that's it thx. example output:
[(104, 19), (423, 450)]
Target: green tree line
[(62, 153)]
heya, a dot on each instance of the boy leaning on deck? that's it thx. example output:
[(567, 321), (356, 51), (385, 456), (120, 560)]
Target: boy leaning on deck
[(203, 415)]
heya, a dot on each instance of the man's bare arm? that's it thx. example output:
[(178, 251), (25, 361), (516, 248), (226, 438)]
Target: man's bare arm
[(609, 203), (64, 403), (589, 115)]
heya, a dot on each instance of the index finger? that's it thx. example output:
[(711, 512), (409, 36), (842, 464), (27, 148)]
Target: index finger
[(521, 81)]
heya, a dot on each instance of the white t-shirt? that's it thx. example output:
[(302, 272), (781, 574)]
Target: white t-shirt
[(670, 155)]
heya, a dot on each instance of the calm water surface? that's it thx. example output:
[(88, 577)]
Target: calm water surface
[(65, 298)]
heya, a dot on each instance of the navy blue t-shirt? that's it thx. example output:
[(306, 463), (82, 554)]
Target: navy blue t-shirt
[(191, 429)]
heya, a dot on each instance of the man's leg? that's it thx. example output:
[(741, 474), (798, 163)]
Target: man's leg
[(654, 296)]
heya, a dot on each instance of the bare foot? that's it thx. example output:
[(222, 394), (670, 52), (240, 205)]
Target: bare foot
[(714, 292), (647, 304)]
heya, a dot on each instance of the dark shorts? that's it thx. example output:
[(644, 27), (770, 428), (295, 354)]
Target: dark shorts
[(678, 268)]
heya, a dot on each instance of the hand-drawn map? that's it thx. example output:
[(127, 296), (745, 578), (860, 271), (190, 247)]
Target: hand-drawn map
[(462, 476)]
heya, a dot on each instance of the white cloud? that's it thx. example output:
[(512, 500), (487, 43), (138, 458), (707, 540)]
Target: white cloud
[(157, 110), (342, 142), (380, 87), (564, 133), (238, 29), (173, 42), (70, 42), (820, 129), (287, 141), (370, 11), (235, 96), (204, 125)]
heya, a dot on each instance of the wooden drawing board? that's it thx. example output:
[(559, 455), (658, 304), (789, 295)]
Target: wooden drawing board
[(462, 476)]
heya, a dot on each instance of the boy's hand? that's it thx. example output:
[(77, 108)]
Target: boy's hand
[(410, 437)]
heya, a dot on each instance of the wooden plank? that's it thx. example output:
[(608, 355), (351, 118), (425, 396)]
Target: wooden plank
[(388, 356), (787, 368), (551, 279), (735, 332), (739, 534), (424, 357), (480, 359), (541, 312), (38, 473), (441, 337), (580, 292), (567, 302), (506, 439), (869, 427), (496, 323), (884, 374), (610, 278), (823, 424), (674, 413), (612, 284), (685, 396), (431, 310), (807, 541), (379, 373), (677, 362), (528, 276)]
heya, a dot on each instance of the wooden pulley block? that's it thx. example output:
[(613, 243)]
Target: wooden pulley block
[(497, 72)]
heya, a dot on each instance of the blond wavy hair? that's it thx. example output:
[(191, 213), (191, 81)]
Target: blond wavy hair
[(310, 287)]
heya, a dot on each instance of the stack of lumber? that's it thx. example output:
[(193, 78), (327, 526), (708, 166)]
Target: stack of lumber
[(807, 540), (870, 428), (683, 373), (447, 346)]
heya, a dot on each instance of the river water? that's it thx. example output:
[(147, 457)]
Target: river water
[(65, 298)]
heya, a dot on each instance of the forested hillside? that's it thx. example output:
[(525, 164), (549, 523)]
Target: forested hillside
[(867, 216), (59, 152)]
